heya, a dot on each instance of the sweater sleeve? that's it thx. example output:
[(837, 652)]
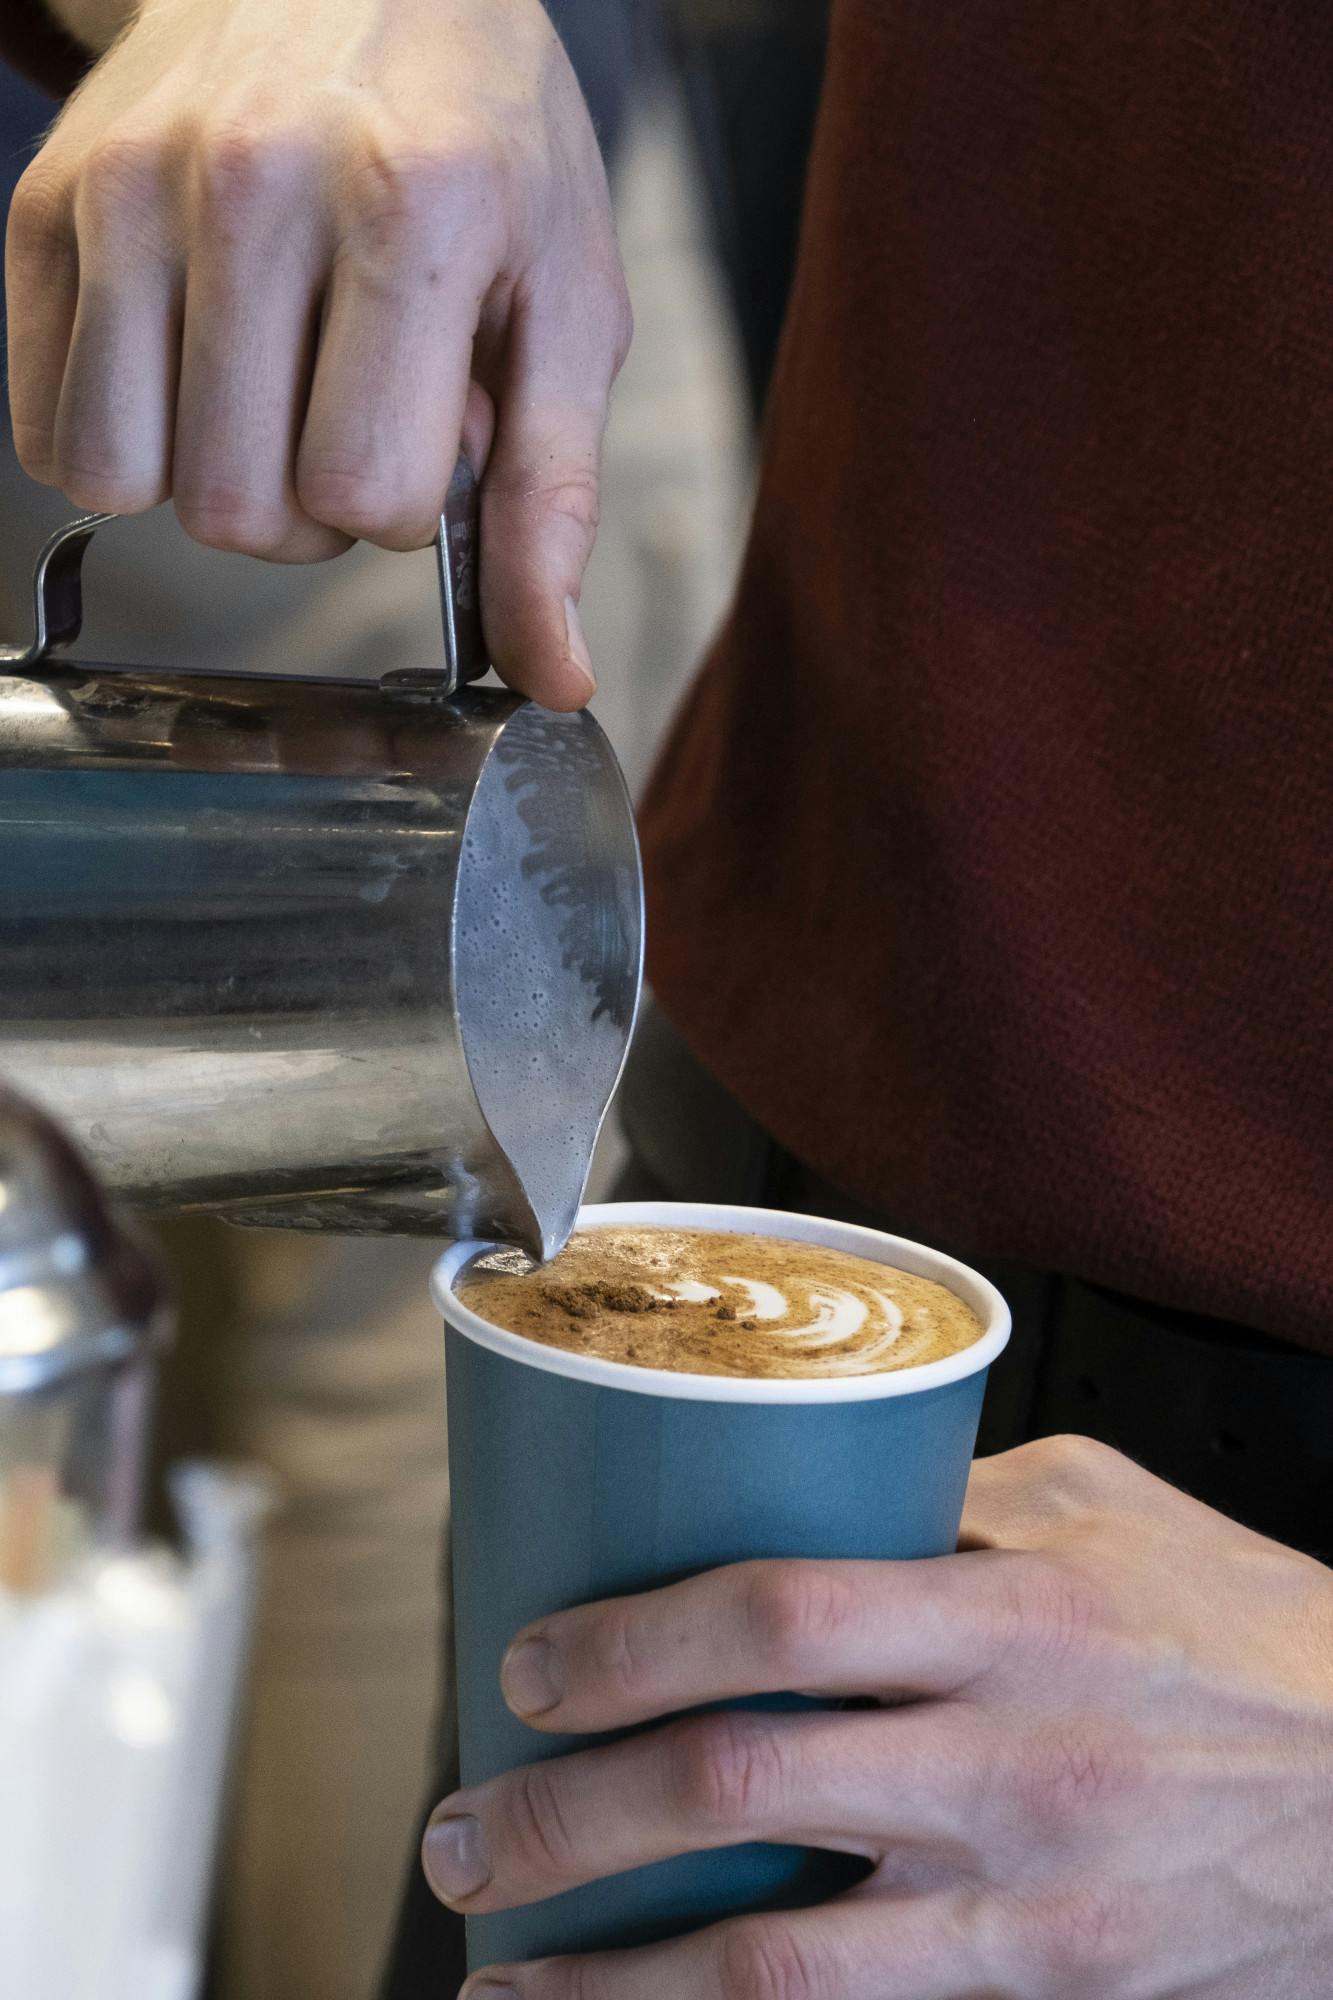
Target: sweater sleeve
[(35, 44)]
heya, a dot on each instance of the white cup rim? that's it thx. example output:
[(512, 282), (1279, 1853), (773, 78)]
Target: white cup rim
[(876, 1244)]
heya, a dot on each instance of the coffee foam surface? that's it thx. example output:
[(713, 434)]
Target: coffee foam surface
[(697, 1301)]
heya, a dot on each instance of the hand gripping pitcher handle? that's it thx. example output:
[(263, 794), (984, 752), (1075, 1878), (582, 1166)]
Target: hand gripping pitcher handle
[(57, 592)]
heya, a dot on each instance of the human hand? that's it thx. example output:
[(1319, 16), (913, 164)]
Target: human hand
[(1102, 1768), (278, 256)]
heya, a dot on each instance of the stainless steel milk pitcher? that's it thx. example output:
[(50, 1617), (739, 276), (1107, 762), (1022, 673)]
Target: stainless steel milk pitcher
[(336, 955)]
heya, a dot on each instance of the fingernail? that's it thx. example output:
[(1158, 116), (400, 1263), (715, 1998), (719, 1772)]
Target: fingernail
[(579, 655), (531, 1678), (456, 1857), (485, 1986)]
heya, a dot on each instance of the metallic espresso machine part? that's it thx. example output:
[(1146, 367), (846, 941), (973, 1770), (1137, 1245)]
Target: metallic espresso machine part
[(351, 956), (83, 1315)]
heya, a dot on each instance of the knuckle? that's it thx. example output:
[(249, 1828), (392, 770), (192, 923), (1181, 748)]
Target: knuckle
[(1066, 1771), (399, 196), (39, 214), (616, 1658), (1051, 1610), (346, 493), (578, 1979), (763, 1958), (1067, 1609), (727, 1771), (400, 537), (795, 1612), (122, 183), (34, 446), (236, 523), (537, 1827), (109, 490), (1078, 1941), (553, 484), (1076, 1465), (574, 500), (243, 174), (577, 500)]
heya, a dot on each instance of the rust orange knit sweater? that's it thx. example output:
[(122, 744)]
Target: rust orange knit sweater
[(990, 860)]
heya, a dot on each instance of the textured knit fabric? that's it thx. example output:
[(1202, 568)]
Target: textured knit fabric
[(990, 860)]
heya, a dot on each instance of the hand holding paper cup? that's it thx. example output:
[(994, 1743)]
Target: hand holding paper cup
[(578, 1477)]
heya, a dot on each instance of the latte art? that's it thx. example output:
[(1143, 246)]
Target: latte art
[(703, 1302), (838, 1316)]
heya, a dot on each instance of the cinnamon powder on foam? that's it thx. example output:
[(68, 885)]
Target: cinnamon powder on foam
[(603, 1297)]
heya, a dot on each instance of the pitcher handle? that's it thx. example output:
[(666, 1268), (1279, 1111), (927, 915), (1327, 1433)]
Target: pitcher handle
[(57, 594)]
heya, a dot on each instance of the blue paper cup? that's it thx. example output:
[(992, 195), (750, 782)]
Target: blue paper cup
[(575, 1479)]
